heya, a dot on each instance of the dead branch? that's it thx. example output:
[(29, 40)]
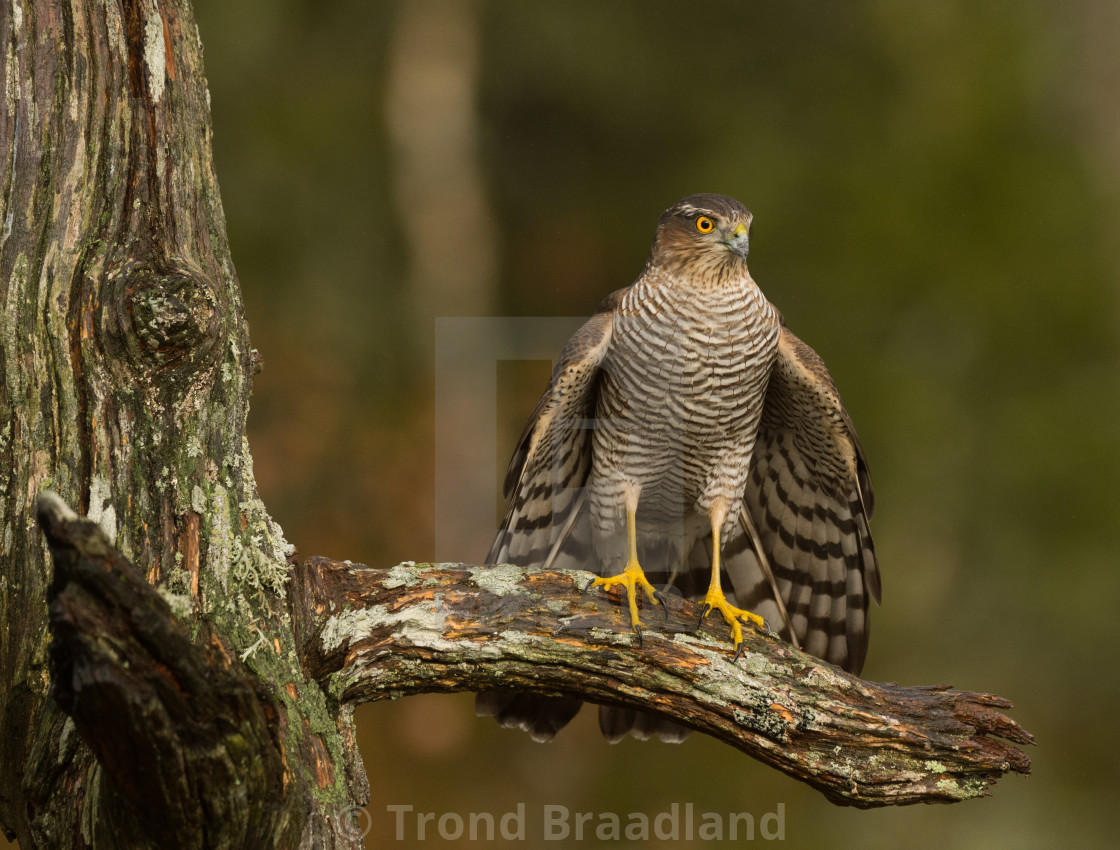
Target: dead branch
[(369, 634), (135, 683), (174, 723)]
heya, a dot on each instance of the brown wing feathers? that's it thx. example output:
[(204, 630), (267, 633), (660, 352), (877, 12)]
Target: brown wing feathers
[(546, 478), (553, 456), (810, 499)]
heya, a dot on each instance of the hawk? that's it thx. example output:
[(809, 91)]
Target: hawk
[(688, 439)]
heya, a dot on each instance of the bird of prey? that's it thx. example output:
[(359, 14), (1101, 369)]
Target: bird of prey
[(688, 439)]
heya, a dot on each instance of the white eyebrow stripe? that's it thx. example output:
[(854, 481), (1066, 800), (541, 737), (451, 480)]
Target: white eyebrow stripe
[(689, 208)]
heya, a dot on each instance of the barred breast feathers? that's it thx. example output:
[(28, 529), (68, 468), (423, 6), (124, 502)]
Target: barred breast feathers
[(687, 372)]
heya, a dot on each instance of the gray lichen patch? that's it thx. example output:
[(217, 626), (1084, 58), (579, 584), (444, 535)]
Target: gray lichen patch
[(611, 636), (255, 557), (101, 509), (155, 51), (742, 683), (488, 650), (402, 575), (221, 538), (350, 626), (181, 604), (580, 577), (822, 677), (516, 636), (711, 650), (501, 580), (965, 788), (267, 532), (253, 572), (418, 625)]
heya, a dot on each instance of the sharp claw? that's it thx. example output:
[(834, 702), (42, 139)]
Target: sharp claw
[(638, 632), (661, 601), (738, 652), (707, 610), (587, 586)]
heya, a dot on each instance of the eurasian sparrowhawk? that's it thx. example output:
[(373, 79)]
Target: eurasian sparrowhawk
[(688, 438)]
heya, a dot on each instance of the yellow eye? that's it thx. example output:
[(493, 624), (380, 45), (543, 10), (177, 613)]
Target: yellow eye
[(704, 224)]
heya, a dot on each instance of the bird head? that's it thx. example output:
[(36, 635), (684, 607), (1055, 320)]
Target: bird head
[(704, 238)]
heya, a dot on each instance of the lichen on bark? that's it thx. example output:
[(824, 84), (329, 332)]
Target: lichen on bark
[(125, 375)]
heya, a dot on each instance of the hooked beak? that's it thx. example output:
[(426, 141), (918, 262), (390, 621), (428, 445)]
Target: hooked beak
[(739, 240)]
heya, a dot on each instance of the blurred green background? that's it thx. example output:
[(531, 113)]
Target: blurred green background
[(936, 192)]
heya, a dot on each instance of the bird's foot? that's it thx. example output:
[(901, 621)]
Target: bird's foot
[(717, 601), (631, 579)]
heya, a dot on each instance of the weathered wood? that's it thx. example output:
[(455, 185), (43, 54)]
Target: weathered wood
[(179, 727), (125, 376), (370, 634), (187, 744)]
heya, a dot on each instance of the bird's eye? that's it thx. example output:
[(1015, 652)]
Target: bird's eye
[(704, 224)]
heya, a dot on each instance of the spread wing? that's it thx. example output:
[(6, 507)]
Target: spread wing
[(546, 523), (806, 511)]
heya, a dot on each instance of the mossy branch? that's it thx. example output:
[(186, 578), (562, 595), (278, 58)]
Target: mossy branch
[(369, 634)]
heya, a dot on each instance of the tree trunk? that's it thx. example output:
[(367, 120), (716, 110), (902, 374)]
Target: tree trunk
[(126, 374), (177, 680)]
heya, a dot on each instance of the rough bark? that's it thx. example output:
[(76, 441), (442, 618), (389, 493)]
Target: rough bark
[(125, 375), (186, 735), (176, 681), (368, 634)]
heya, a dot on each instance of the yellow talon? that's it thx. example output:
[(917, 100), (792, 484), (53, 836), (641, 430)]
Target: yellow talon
[(715, 598), (631, 578)]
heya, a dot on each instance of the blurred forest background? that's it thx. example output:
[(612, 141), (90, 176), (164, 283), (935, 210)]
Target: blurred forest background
[(936, 192)]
